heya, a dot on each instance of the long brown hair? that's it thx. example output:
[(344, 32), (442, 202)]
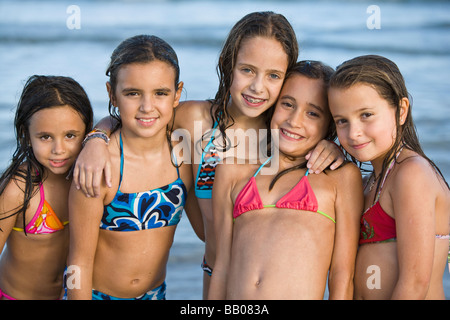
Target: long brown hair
[(264, 24), (385, 77), (40, 92)]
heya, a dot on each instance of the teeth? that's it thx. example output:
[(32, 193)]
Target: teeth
[(147, 120), (290, 135), (253, 100)]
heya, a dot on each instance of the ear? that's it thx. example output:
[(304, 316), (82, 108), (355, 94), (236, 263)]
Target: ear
[(404, 110), (111, 94), (178, 94)]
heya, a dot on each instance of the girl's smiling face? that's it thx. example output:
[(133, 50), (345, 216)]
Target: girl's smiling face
[(258, 76), (146, 96), (56, 135), (365, 122), (301, 115)]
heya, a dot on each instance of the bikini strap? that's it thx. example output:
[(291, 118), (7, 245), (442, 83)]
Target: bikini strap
[(391, 165), (261, 166), (176, 164), (121, 159)]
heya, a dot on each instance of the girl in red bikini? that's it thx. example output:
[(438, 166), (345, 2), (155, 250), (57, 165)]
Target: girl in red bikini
[(280, 234), (404, 238), (53, 116)]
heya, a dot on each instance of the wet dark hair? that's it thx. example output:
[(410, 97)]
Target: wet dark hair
[(312, 70), (263, 24), (139, 49), (40, 92), (385, 77)]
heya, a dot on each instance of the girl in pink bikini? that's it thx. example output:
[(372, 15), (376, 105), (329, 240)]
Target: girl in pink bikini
[(405, 227), (53, 116), (280, 234)]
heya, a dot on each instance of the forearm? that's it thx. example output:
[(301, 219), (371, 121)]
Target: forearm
[(79, 281), (340, 285), (106, 124)]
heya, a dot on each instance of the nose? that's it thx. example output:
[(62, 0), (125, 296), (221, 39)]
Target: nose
[(257, 84), (354, 131), (146, 104), (58, 147), (296, 119)]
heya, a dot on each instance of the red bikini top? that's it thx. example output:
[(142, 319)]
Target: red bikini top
[(376, 224)]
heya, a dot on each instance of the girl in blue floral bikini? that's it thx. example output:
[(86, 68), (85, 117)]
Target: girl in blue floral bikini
[(125, 259)]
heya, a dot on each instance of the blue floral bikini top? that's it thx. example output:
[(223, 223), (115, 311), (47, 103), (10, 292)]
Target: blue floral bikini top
[(151, 209)]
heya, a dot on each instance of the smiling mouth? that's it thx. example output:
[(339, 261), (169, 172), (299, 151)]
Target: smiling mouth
[(146, 121), (290, 134), (58, 163), (253, 100), (359, 146)]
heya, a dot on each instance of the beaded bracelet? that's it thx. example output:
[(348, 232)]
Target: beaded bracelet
[(96, 133)]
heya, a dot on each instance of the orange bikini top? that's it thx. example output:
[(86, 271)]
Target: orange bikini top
[(44, 220)]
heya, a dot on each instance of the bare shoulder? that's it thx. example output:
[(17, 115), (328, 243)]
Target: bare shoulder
[(15, 188), (345, 174), (12, 197), (194, 110), (230, 172), (414, 170)]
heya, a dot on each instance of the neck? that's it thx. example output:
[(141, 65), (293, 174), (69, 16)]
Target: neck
[(286, 161), (143, 145), (51, 178)]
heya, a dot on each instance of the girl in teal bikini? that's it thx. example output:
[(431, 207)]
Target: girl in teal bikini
[(256, 55), (121, 240)]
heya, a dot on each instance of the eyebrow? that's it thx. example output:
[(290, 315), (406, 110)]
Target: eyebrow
[(46, 133), (286, 96), (163, 89), (356, 111), (243, 64)]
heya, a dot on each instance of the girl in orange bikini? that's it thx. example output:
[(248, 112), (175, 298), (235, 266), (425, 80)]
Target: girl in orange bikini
[(405, 228), (53, 116)]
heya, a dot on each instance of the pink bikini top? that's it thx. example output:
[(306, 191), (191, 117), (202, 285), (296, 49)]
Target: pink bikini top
[(300, 197), (44, 220)]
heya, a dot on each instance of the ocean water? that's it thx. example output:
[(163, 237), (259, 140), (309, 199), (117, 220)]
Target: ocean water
[(43, 37)]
